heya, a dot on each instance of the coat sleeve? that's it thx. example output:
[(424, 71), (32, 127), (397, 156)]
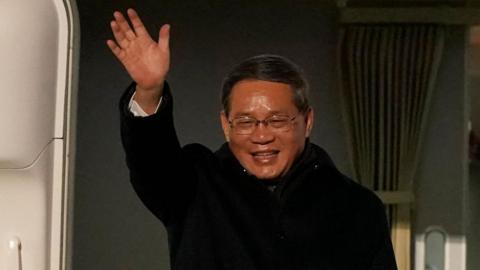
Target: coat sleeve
[(161, 172), (384, 256)]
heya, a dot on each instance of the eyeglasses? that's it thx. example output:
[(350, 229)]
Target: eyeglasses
[(246, 125)]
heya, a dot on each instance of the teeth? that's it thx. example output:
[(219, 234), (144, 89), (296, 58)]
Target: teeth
[(264, 154), (265, 157)]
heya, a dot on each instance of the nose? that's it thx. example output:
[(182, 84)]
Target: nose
[(262, 135)]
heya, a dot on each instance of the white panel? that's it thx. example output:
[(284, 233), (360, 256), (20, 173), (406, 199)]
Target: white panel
[(64, 62), (56, 208), (25, 206), (38, 92), (29, 31), (455, 252), (419, 252)]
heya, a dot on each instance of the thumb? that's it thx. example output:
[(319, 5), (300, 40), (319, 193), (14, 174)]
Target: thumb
[(164, 37)]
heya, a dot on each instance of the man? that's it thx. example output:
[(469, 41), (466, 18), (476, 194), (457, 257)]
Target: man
[(268, 198)]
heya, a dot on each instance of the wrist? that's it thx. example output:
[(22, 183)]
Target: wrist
[(148, 99), (150, 89)]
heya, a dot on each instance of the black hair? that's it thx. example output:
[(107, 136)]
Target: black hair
[(272, 68)]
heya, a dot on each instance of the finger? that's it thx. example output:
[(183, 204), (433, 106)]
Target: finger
[(115, 49), (164, 37), (124, 26), (119, 35), (137, 23)]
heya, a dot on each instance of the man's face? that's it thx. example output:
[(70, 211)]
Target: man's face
[(266, 153)]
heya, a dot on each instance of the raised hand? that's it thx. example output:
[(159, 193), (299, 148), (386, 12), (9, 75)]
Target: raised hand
[(145, 60)]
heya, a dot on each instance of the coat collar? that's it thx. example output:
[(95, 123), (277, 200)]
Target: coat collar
[(312, 158)]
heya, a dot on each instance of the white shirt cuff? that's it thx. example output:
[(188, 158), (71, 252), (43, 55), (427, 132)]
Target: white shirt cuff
[(136, 110)]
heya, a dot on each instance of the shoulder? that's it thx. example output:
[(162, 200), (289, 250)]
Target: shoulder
[(197, 150), (199, 155), (363, 199), (345, 190)]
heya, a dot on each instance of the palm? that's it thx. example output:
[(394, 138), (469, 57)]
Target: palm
[(145, 60), (146, 63)]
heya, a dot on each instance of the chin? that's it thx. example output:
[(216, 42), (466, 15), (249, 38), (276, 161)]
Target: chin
[(266, 174)]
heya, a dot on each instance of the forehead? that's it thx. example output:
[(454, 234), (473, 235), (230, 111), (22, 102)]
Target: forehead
[(257, 97)]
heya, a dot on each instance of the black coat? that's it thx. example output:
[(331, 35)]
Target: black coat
[(219, 217)]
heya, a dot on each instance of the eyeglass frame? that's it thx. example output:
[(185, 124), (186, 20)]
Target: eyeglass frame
[(265, 122)]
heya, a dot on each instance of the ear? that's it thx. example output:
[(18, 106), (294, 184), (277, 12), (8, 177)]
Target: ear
[(225, 125), (308, 122)]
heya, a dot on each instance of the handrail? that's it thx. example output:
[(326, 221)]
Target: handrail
[(14, 261)]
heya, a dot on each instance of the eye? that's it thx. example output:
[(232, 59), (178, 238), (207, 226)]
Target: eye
[(278, 122), (244, 122)]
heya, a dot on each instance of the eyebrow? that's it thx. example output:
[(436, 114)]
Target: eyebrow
[(272, 113)]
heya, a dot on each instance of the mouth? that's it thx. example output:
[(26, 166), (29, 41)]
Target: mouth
[(265, 156)]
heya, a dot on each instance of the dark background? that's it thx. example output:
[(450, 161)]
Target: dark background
[(112, 229)]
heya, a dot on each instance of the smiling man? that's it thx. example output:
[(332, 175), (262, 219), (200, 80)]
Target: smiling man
[(268, 198), (266, 148)]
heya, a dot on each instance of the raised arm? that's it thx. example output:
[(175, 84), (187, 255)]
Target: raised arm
[(145, 60), (161, 171)]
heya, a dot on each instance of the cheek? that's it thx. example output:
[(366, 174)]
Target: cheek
[(239, 146), (293, 145), (238, 141)]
